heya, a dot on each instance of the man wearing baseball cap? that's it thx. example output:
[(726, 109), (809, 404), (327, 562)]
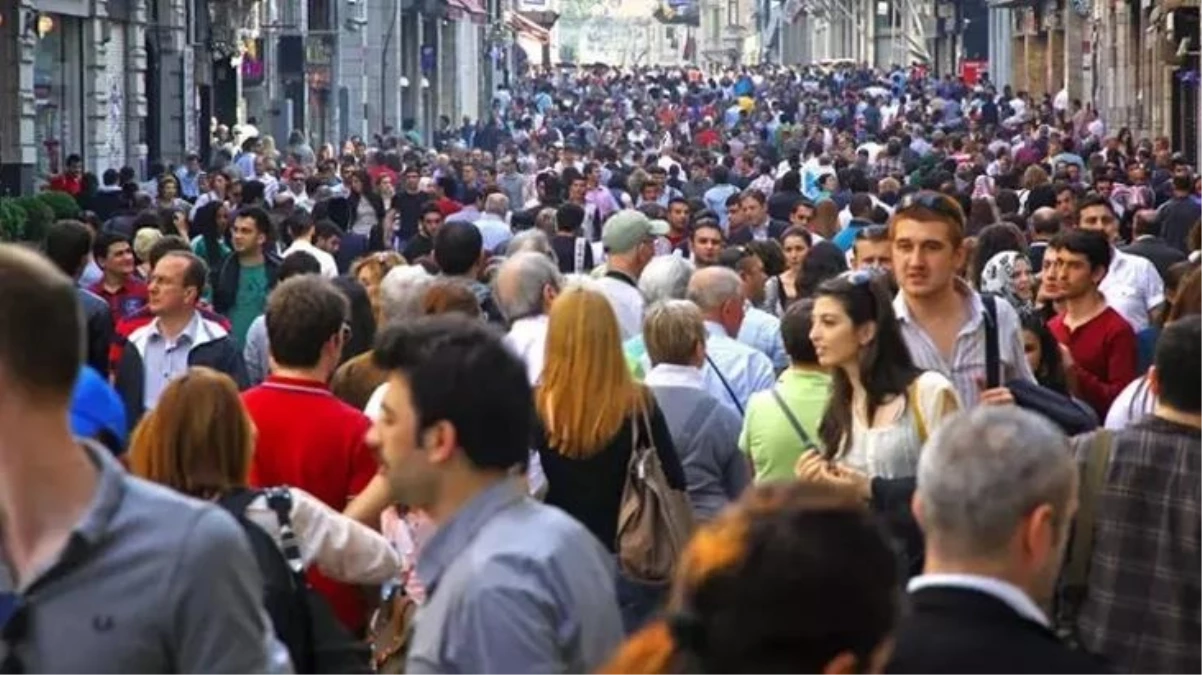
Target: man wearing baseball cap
[(629, 239)]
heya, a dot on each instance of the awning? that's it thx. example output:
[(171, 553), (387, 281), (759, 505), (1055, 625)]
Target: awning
[(470, 9), (527, 28), (544, 18)]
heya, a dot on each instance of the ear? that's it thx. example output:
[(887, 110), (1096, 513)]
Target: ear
[(916, 510), (1154, 381), (439, 442), (1038, 531)]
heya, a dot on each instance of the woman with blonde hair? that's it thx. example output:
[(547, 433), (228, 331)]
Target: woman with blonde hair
[(370, 270), (591, 413), (199, 441), (792, 578)]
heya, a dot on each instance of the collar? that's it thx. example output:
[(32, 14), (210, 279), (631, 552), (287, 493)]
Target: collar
[(621, 276), (296, 384), (1008, 593), (715, 329), (189, 331), (673, 375), (529, 324), (450, 540), (976, 309)]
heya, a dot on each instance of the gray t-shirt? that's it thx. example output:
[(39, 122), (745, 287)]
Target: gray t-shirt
[(150, 582)]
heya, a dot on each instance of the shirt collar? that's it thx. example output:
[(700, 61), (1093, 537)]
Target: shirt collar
[(715, 329), (1008, 593), (453, 537), (187, 336), (976, 308), (673, 375)]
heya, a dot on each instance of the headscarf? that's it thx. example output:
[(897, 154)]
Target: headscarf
[(997, 278)]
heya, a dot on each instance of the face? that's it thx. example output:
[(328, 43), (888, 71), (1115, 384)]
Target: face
[(1033, 350), (1021, 278), (356, 184), (1049, 286), (1066, 204), (801, 215), (385, 184), (754, 212), (875, 255), (924, 258), (836, 339), (430, 223), (246, 236), (1100, 218), (166, 289), (180, 220), (120, 259), (168, 190), (235, 193), (412, 178), (74, 168), (328, 244), (219, 183), (1073, 275), (795, 252), (753, 280), (706, 245), (296, 184), (678, 216), (576, 190)]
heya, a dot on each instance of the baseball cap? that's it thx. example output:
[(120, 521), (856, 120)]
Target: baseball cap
[(97, 412), (627, 228)]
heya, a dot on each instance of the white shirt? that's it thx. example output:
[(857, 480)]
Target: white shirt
[(672, 375), (1135, 402), (627, 302), (1012, 595), (329, 268), (745, 369), (528, 338), (1133, 287)]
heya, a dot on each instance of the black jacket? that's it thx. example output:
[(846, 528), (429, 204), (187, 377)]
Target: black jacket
[(744, 235), (99, 321), (960, 630), (225, 289), (1157, 251)]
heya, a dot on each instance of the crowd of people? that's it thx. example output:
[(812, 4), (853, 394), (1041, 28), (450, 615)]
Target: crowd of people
[(787, 369)]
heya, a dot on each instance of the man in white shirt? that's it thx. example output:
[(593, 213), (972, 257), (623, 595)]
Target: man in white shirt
[(629, 239), (302, 229), (525, 286), (492, 223), (1132, 285)]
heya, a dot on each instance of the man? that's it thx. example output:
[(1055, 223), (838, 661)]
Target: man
[(715, 197), (422, 243), (872, 249), (247, 276), (303, 231), (71, 179), (757, 224), (178, 338), (784, 201), (577, 195), (1147, 243), (1045, 224), (124, 294), (219, 191), (699, 180), (706, 241), (629, 239), (443, 188), (74, 520), (1131, 285), (678, 223), (409, 202), (459, 253), (493, 229), (305, 437), (734, 371), (1097, 345), (525, 286), (513, 585), (1140, 608), (996, 495), (759, 328), (861, 208), (510, 181), (68, 243), (472, 200), (1066, 203), (801, 214), (1180, 212), (188, 176), (942, 319)]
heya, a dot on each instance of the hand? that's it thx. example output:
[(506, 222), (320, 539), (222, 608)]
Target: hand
[(813, 468), (996, 396), (1066, 357)]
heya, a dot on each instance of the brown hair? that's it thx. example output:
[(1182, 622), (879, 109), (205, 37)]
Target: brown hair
[(445, 296), (42, 362), (825, 220), (198, 440), (1188, 300)]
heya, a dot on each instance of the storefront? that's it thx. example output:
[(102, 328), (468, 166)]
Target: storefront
[(58, 89)]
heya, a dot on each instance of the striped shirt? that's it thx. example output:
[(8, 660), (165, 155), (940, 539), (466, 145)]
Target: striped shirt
[(965, 366)]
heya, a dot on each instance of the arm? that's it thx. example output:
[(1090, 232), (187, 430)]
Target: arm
[(218, 623), (254, 355), (738, 472), (367, 506), (342, 548), (1120, 371)]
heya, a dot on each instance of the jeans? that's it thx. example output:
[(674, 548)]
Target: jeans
[(638, 601)]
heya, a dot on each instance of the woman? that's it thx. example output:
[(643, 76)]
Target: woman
[(586, 433), (199, 440), (781, 290), (991, 241), (882, 407), (169, 197), (174, 221), (1043, 352), (1007, 275), (145, 238), (753, 594), (367, 210), (210, 225), (362, 323), (823, 261), (369, 271)]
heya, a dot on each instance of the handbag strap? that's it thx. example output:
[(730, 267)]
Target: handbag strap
[(579, 245), (279, 500), (729, 391), (806, 443), (993, 371), (1075, 579)]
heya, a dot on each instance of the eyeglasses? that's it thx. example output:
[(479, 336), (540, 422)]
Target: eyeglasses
[(932, 201), (14, 629)]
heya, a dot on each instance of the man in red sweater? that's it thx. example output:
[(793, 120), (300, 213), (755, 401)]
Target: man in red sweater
[(307, 438), (1097, 343)]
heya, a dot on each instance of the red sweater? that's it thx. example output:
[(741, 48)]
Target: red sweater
[(1104, 356), (309, 439)]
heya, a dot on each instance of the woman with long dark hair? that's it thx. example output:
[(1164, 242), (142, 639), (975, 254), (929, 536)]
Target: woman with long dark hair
[(210, 226), (882, 407), (823, 261), (366, 210)]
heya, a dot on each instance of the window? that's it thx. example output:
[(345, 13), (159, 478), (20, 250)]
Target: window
[(732, 12)]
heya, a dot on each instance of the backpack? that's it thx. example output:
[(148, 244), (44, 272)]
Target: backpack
[(654, 520), (316, 640)]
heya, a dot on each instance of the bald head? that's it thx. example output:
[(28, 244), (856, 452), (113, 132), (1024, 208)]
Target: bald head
[(497, 204), (712, 287), (1045, 222)]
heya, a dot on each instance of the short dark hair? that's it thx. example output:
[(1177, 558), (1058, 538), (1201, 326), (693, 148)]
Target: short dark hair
[(100, 246), (457, 246), (1183, 184), (67, 244), (1090, 243), (327, 228), (460, 371), (303, 313), (166, 244), (42, 363), (860, 205), (1094, 199), (1178, 362), (795, 327), (297, 263), (569, 217), (262, 220), (298, 224), (428, 208)]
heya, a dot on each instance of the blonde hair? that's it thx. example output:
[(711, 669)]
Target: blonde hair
[(198, 440), (672, 329), (587, 391)]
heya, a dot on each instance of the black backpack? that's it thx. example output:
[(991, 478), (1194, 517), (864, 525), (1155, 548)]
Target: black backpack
[(316, 640)]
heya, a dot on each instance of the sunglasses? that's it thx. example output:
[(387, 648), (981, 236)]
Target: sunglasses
[(14, 629), (936, 202)]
